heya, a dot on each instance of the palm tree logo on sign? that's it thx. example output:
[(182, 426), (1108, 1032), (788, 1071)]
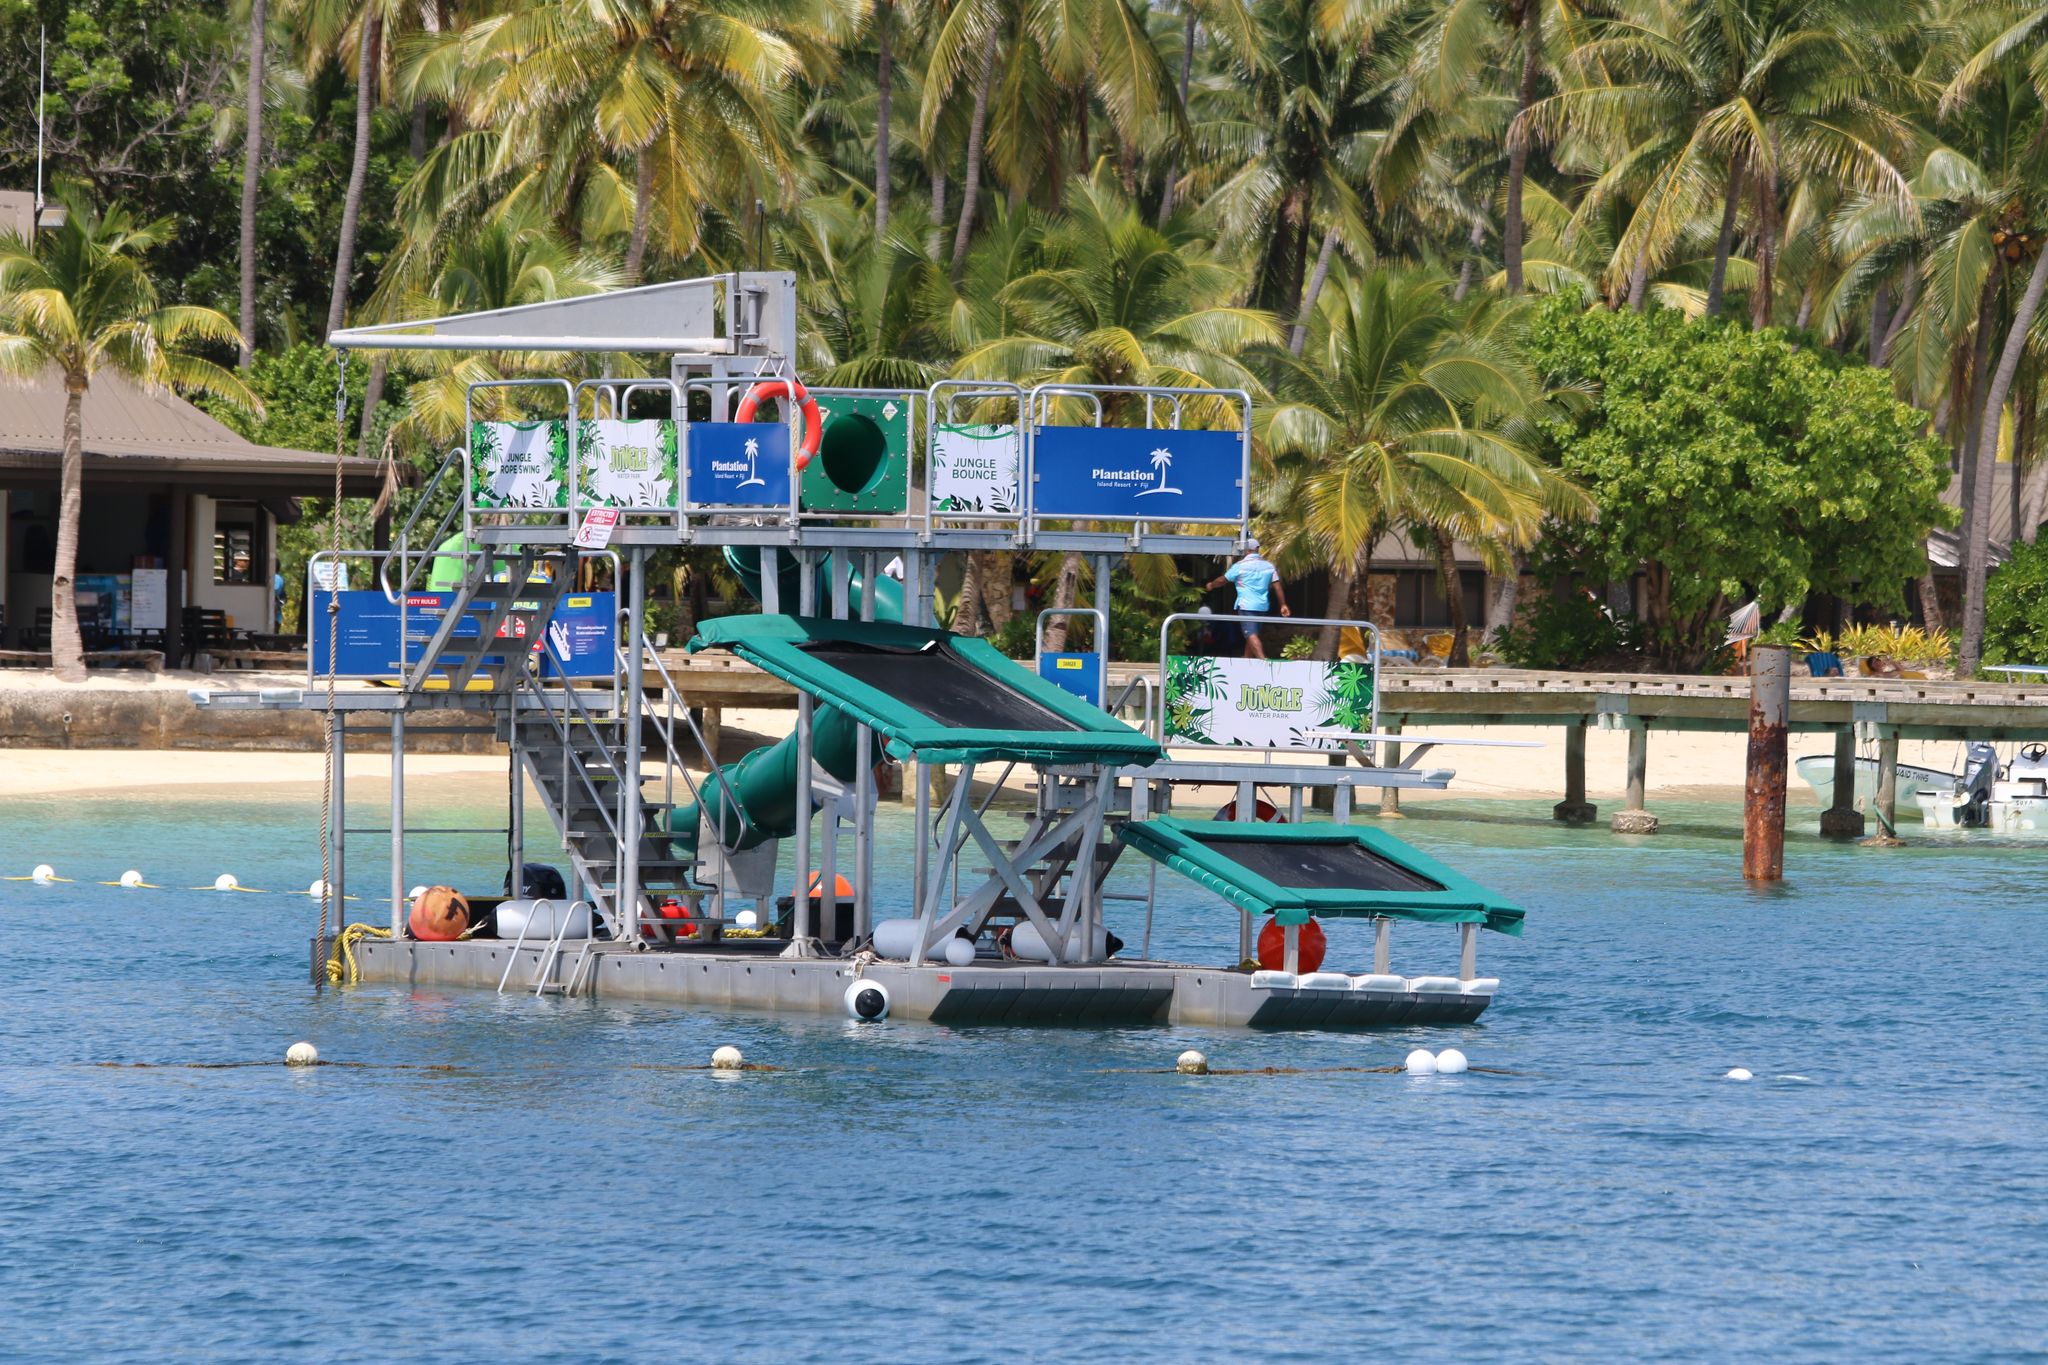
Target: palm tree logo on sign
[(753, 476), (1162, 460)]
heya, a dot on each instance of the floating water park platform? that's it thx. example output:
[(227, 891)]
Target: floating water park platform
[(525, 608)]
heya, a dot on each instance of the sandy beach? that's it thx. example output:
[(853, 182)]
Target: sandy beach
[(1686, 765)]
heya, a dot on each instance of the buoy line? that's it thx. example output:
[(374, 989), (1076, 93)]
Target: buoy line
[(132, 880), (1289, 1071), (232, 1066)]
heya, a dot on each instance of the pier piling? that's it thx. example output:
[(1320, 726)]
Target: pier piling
[(1763, 803), (1575, 809), (1842, 820), (1390, 797), (1634, 819), (1886, 803)]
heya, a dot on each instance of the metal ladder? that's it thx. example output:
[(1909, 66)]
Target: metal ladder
[(493, 602)]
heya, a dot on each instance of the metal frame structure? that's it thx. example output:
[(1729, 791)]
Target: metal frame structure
[(586, 749)]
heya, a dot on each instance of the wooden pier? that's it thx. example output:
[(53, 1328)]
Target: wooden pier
[(1885, 710)]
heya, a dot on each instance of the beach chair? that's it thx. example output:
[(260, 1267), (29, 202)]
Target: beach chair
[(1824, 664)]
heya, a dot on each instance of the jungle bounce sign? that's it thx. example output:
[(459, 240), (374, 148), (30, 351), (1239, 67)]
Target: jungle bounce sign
[(1265, 703)]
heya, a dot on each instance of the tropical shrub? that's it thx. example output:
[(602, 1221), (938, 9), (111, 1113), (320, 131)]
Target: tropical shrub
[(2016, 608)]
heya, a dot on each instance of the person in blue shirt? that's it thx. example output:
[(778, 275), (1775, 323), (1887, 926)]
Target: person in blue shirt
[(1258, 587)]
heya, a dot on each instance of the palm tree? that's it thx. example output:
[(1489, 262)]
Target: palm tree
[(1734, 98), (1406, 408), (80, 300), (252, 169), (1120, 302)]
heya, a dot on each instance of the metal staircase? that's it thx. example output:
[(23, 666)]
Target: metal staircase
[(574, 753), (520, 588)]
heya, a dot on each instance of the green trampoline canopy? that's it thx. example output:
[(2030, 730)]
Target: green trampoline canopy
[(1329, 871), (931, 695)]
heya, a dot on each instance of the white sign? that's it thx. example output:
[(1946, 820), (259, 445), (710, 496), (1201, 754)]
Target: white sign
[(149, 599), (1265, 703), (976, 469), (519, 464), (330, 575), (596, 531), (626, 464)]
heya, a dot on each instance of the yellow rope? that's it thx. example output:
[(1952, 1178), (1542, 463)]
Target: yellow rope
[(342, 967)]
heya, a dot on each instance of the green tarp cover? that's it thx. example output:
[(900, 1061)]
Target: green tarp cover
[(1185, 846), (1063, 728)]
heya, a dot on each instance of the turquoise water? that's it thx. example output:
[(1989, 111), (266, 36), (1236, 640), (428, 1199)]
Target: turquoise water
[(908, 1192)]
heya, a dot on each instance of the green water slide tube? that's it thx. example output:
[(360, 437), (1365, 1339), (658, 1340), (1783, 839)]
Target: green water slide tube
[(757, 799)]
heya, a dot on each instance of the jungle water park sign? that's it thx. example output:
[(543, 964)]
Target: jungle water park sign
[(738, 464), (1136, 473), (1265, 703), (976, 468), (519, 464), (626, 464)]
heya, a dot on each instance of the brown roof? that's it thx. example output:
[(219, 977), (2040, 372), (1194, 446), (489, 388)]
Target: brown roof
[(134, 434)]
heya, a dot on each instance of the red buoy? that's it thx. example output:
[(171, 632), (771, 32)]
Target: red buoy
[(671, 909), (1273, 947), (842, 889), (439, 915)]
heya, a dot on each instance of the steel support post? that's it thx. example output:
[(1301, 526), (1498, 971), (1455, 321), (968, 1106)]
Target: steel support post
[(397, 824), (807, 605), (632, 811)]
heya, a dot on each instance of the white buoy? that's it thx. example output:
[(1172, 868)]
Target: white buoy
[(746, 919), (416, 893), (1740, 1073), (1450, 1062), (317, 890), (1421, 1062), (1191, 1063), (226, 882), (43, 875), (867, 1000), (131, 878), (727, 1058), (959, 952), (301, 1054)]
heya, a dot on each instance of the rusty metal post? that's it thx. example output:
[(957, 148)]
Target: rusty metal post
[(1763, 801)]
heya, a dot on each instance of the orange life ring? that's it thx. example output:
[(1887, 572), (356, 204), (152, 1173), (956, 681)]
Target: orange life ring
[(1265, 811), (814, 424)]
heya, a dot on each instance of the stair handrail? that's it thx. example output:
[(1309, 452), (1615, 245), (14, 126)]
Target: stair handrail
[(561, 732), (729, 802), (1147, 688), (402, 551)]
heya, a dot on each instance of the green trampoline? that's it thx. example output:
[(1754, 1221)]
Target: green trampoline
[(1330, 871), (932, 695)]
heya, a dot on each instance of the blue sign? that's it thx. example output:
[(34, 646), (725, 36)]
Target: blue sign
[(379, 638), (738, 464), (1137, 474), (1080, 674)]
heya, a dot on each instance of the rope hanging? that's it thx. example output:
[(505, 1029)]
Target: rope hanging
[(330, 902)]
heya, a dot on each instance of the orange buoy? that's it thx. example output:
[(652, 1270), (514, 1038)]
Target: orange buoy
[(1265, 811), (842, 889), (1273, 947), (672, 908), (440, 914)]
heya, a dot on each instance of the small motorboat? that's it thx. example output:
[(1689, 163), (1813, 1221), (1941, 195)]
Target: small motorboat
[(1819, 772), (2019, 798), (1965, 802)]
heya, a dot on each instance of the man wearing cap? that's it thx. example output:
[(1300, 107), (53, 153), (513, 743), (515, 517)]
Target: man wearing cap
[(1258, 586)]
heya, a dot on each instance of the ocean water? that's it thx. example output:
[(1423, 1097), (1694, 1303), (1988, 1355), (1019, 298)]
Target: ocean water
[(563, 1189)]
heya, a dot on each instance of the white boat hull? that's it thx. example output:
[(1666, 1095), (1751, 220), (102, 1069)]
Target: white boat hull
[(1818, 770)]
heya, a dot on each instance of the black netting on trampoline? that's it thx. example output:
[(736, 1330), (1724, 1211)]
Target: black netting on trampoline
[(1320, 867), (941, 686)]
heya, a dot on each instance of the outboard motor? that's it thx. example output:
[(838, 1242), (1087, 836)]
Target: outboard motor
[(1980, 770), (539, 881)]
